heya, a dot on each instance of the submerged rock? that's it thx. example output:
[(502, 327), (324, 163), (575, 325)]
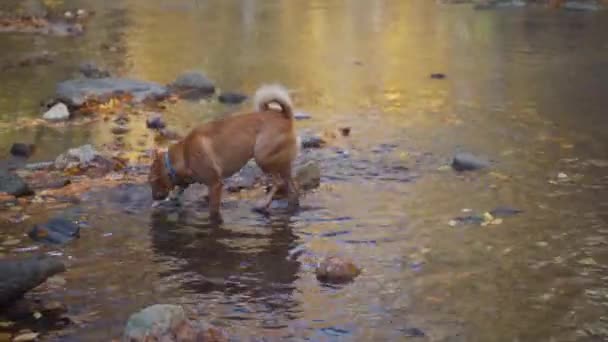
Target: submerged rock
[(22, 150), (58, 112), (192, 85), (232, 98), (581, 5), (21, 275), (13, 184), (81, 157), (163, 322), (301, 116), (312, 141), (246, 178), (77, 92), (155, 121), (92, 70), (336, 270), (465, 161), (308, 176), (55, 231)]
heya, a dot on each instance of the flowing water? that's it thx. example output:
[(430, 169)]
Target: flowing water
[(525, 87)]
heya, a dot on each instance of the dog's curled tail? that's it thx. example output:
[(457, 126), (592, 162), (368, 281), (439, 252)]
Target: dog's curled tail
[(276, 93)]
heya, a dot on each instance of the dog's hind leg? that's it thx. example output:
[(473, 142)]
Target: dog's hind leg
[(265, 204)]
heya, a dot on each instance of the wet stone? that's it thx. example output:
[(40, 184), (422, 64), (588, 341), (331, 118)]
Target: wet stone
[(192, 85), (232, 98), (465, 161), (77, 92), (308, 176), (57, 113), (13, 184), (22, 150), (21, 275), (336, 270), (92, 70), (57, 231), (155, 121)]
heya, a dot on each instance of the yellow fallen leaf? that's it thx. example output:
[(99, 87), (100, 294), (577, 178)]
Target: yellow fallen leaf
[(567, 146), (499, 175), (31, 336)]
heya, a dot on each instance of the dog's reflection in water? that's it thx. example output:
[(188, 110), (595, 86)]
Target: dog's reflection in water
[(247, 261)]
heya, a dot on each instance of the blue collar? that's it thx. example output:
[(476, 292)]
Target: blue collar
[(170, 170)]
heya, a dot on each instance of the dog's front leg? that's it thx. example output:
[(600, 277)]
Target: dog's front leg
[(215, 201)]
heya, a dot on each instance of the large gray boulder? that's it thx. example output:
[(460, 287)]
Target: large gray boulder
[(13, 184), (163, 322), (21, 275), (77, 92)]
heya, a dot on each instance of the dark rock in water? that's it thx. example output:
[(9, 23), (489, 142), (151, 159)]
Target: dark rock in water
[(22, 150), (301, 116), (471, 219), (91, 70), (13, 184), (246, 178), (155, 121), (57, 231), (467, 162), (77, 92), (21, 275), (505, 212), (412, 332), (168, 134), (582, 6), (438, 76), (232, 98), (82, 157), (308, 176), (336, 270), (192, 85), (163, 322), (48, 181), (497, 4), (345, 131), (121, 119), (312, 141), (120, 129)]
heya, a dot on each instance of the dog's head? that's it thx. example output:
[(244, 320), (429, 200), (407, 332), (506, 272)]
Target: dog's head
[(158, 178)]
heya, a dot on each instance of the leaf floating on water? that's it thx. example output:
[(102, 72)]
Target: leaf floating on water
[(496, 221), (587, 261), (598, 162), (567, 146), (11, 242), (6, 324), (499, 175), (562, 175), (30, 336)]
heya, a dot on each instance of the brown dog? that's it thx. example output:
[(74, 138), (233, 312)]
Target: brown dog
[(218, 149)]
